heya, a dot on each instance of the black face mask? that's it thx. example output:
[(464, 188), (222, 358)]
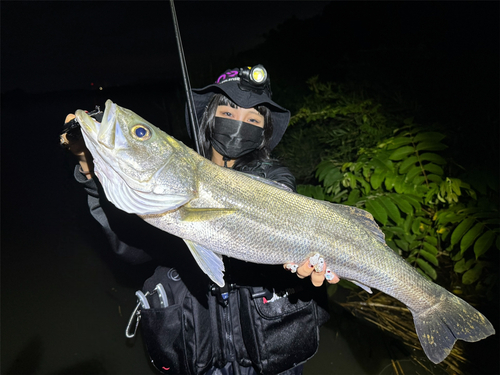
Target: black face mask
[(233, 138)]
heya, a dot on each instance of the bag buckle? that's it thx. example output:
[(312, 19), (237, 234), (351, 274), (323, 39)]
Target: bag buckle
[(258, 292), (222, 294)]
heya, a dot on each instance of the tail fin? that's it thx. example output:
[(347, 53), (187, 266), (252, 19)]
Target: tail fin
[(449, 320)]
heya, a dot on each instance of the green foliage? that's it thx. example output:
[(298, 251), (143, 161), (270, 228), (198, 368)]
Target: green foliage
[(369, 153), (425, 214), (334, 122)]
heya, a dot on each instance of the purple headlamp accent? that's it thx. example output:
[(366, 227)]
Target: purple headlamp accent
[(228, 74)]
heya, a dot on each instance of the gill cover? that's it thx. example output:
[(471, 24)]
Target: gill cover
[(118, 165)]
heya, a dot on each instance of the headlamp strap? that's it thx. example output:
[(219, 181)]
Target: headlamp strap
[(253, 79)]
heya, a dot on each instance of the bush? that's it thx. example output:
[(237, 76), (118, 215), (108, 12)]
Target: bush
[(335, 123), (407, 181)]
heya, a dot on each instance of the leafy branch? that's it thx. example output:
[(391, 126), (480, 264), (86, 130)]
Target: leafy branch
[(425, 214)]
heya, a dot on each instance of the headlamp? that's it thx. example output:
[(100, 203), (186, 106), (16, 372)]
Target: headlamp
[(256, 75)]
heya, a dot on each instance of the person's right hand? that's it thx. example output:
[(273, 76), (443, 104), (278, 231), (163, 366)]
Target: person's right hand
[(314, 267), (78, 148)]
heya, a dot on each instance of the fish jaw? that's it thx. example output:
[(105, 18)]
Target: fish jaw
[(113, 141), (136, 173)]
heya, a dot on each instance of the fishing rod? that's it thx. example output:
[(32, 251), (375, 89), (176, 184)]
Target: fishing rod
[(187, 86)]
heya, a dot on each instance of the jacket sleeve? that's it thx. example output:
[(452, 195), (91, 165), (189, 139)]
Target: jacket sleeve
[(127, 252), (279, 173)]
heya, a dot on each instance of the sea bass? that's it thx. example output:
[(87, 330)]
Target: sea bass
[(218, 211)]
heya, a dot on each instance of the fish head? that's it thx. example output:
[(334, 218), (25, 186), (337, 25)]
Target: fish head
[(135, 161)]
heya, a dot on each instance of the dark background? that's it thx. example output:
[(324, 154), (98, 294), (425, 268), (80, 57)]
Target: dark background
[(65, 300)]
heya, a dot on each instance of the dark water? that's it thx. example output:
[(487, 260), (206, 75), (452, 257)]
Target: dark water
[(66, 300)]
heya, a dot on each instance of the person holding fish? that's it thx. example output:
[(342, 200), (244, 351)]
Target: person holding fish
[(239, 127)]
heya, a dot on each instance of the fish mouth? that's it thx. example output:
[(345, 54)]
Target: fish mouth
[(100, 138), (87, 123), (106, 132)]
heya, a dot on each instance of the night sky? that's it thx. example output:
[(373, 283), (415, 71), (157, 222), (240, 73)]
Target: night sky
[(60, 45)]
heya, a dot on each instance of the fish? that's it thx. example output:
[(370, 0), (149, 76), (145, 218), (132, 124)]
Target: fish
[(219, 212)]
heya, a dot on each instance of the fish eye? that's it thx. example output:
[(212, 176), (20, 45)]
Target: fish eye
[(141, 132)]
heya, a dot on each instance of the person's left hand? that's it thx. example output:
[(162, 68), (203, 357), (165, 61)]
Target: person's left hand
[(316, 268)]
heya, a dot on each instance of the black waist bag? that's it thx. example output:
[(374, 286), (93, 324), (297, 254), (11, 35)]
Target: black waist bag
[(281, 333), (188, 337), (178, 336)]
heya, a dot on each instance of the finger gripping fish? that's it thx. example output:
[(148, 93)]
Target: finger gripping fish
[(219, 211)]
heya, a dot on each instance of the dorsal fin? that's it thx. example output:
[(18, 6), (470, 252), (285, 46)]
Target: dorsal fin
[(363, 217), (278, 185)]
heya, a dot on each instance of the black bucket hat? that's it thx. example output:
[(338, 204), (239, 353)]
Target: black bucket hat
[(244, 95)]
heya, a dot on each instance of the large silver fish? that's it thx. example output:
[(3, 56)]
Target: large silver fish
[(218, 211)]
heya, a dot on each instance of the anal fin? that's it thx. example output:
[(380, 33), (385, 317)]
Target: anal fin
[(362, 286), (209, 262)]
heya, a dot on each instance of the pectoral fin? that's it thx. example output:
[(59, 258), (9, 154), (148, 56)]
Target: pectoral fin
[(209, 262), (203, 214)]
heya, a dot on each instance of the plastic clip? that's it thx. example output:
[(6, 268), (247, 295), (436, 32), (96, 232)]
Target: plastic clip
[(222, 294), (162, 295), (143, 301), (260, 292)]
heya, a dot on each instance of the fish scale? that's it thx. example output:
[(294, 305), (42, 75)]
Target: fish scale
[(219, 211)]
